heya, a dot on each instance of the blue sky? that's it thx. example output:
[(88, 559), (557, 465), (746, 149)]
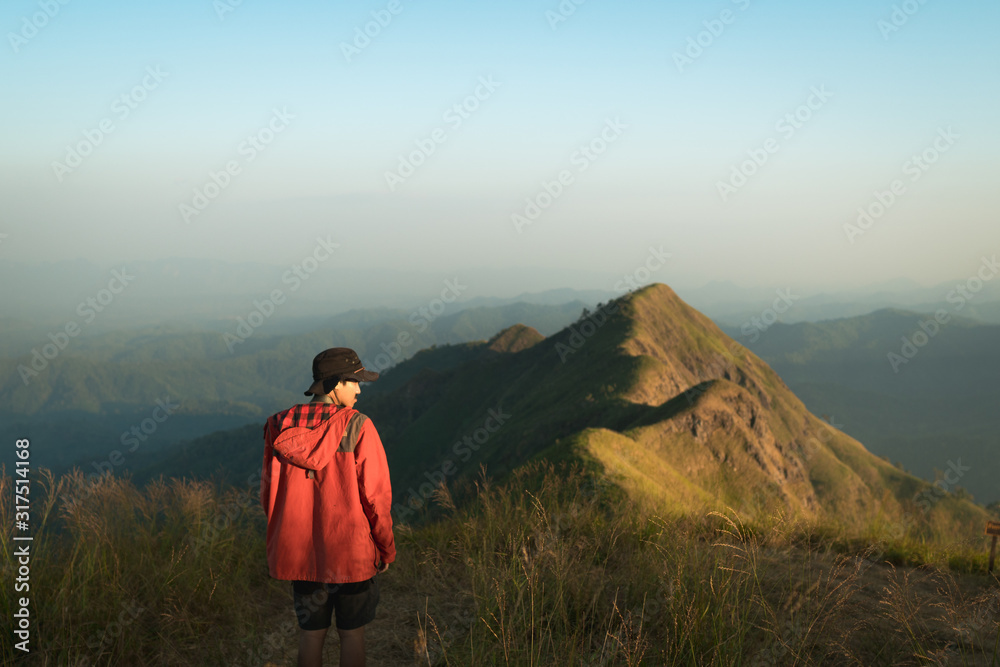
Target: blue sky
[(888, 94)]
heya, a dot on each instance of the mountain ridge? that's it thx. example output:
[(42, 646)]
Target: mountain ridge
[(671, 381), (653, 396)]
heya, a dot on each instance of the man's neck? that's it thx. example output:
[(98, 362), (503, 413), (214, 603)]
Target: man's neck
[(322, 398)]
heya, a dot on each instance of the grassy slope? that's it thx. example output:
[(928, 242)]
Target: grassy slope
[(615, 402), (568, 572)]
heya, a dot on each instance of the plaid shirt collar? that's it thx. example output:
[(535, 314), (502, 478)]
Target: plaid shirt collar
[(310, 415)]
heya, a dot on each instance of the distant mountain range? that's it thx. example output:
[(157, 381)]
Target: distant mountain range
[(933, 415), (909, 387), (650, 395), (735, 306), (196, 294), (200, 294), (82, 401)]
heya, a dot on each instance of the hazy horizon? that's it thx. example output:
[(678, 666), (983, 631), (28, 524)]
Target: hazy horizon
[(543, 145)]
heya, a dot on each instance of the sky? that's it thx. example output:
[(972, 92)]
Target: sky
[(536, 144)]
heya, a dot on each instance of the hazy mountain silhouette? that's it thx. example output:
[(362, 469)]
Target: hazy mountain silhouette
[(651, 394), (924, 399), (81, 402)]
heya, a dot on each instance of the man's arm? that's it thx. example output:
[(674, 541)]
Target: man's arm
[(375, 490)]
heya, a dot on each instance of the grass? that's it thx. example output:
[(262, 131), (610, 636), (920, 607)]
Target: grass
[(120, 575), (553, 567)]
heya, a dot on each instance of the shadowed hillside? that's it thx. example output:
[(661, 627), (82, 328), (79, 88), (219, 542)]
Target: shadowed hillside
[(658, 398), (930, 405)]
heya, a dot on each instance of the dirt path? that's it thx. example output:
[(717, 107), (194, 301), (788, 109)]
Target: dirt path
[(392, 639)]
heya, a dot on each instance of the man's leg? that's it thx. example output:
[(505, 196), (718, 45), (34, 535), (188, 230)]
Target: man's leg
[(352, 647), (311, 648)]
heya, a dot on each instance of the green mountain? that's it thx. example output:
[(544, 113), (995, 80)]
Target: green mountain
[(653, 397)]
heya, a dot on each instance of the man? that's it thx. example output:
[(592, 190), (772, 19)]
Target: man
[(326, 492)]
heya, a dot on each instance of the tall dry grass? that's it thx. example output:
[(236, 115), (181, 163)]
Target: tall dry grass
[(167, 575), (550, 568), (557, 571)]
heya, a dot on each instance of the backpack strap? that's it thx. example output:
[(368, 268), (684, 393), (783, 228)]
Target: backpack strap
[(350, 438), (351, 434)]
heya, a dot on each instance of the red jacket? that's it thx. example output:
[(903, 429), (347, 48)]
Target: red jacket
[(325, 489)]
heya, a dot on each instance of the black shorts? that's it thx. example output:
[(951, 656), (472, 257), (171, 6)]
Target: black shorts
[(354, 602)]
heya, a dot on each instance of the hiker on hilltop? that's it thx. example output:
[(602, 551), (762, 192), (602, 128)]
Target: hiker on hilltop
[(326, 492)]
